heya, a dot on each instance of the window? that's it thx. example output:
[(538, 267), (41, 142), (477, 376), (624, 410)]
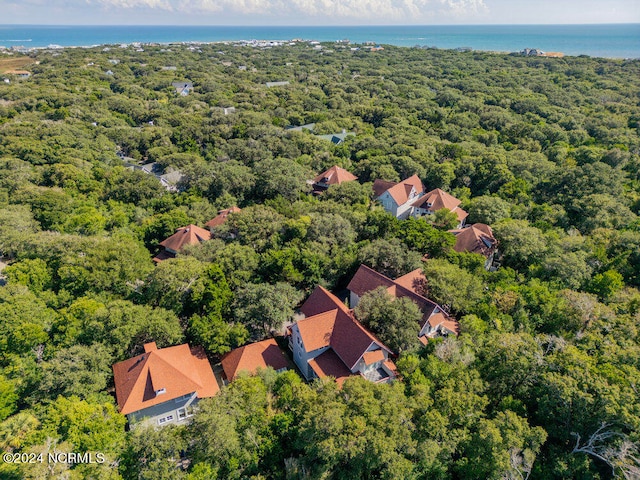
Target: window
[(182, 413), (163, 420)]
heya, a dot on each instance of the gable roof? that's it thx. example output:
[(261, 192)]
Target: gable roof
[(381, 186), (189, 235), (221, 217), (322, 300), (335, 176), (437, 199), (252, 357), (478, 238), (329, 364), (367, 279), (177, 371), (413, 281), (400, 191), (441, 320), (331, 324)]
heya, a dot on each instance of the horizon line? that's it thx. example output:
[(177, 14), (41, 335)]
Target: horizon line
[(309, 25)]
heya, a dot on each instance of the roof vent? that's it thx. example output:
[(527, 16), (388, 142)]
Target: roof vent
[(161, 391)]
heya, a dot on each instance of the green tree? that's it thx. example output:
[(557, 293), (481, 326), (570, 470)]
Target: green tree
[(263, 307), (81, 371), (395, 320), (389, 257), (448, 284)]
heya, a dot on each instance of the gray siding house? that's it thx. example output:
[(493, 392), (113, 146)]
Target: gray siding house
[(161, 386)]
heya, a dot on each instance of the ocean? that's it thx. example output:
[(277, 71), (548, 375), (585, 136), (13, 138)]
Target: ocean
[(609, 41)]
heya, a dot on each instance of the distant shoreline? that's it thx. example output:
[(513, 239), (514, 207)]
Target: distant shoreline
[(616, 41)]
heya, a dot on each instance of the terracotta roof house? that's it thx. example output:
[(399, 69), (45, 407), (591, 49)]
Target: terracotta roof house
[(329, 341), (477, 238), (397, 198), (189, 235), (334, 176), (435, 200), (435, 320), (221, 217), (252, 357), (163, 385)]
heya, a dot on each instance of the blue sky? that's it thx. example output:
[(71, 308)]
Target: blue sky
[(318, 12)]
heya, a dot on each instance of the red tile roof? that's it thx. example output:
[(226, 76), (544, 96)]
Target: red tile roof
[(321, 300), (478, 238), (350, 340), (163, 255), (189, 235), (414, 281), (400, 192), (177, 370), (331, 324), (221, 217), (329, 364), (437, 199), (381, 186), (252, 357), (367, 279), (335, 176), (445, 322)]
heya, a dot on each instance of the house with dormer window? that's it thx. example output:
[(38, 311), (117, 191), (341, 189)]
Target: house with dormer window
[(435, 320), (162, 386), (397, 198), (432, 201), (334, 176), (330, 342)]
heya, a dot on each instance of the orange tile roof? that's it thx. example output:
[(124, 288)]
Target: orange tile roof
[(437, 199), (400, 192), (391, 366), (478, 238), (331, 324), (179, 370), (221, 217), (373, 357), (414, 281), (441, 319), (335, 176), (316, 330), (189, 235), (329, 364), (321, 300), (252, 357)]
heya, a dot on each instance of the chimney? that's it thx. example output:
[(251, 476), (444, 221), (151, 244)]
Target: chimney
[(150, 347)]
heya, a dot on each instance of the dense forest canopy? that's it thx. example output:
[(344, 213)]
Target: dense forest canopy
[(542, 383)]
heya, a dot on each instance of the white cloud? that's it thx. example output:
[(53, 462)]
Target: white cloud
[(380, 10), (119, 4)]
